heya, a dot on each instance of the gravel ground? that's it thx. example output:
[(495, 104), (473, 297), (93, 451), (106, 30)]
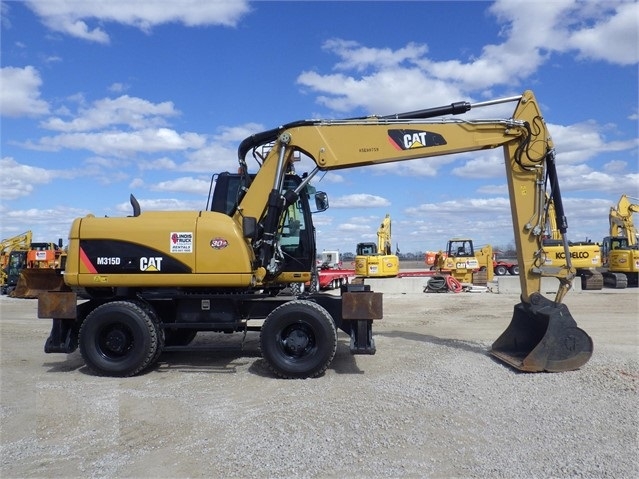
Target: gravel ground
[(431, 403)]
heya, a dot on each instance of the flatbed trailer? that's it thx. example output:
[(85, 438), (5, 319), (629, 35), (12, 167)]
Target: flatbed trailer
[(335, 278)]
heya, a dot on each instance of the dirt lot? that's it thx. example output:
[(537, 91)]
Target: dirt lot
[(430, 403)]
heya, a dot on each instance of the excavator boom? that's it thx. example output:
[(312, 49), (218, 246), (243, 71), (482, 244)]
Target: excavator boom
[(530, 172)]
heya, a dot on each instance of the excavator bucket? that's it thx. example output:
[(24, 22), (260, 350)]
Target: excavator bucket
[(543, 336), (33, 281)]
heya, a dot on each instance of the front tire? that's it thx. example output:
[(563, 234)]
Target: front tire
[(298, 340), (119, 339)]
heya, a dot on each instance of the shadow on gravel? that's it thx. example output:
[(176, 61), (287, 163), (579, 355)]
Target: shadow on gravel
[(472, 347), (207, 355), (212, 360), (72, 362), (469, 346)]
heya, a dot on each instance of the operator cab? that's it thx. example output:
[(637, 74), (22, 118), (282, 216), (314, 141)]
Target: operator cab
[(296, 233), (460, 248), (366, 249)]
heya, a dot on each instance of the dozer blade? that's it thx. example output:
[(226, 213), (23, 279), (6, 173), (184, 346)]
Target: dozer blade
[(33, 281), (543, 336)]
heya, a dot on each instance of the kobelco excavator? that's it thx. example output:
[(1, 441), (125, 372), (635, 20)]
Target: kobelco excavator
[(154, 279)]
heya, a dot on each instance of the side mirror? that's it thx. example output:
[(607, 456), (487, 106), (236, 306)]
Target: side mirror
[(321, 201), (249, 227)]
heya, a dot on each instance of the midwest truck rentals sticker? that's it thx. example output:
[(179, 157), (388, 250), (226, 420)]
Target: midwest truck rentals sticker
[(181, 242)]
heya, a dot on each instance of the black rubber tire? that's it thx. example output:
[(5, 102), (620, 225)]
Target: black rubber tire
[(159, 330), (298, 340), (314, 285), (514, 270), (500, 270), (297, 288), (119, 338)]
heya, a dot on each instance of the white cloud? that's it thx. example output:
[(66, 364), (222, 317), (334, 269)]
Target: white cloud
[(163, 163), (581, 141), (118, 87), (87, 20), (359, 200), (162, 204), (591, 180), (124, 110), (183, 185), (615, 166), (341, 92), (487, 165), (611, 39), (220, 154), (20, 92), (532, 31), (358, 57), (121, 143), (18, 180), (467, 206)]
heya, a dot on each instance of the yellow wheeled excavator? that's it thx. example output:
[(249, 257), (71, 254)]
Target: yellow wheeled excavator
[(377, 260), (154, 278), (620, 249)]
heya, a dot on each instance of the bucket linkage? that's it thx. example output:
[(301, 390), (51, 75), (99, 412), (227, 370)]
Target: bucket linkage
[(543, 336)]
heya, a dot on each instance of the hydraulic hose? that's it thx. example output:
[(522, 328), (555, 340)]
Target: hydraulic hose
[(437, 284), (453, 285)]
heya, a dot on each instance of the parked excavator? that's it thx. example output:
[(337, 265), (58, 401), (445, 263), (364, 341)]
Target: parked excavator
[(377, 260), (620, 249), (585, 255), (12, 260), (464, 262), (148, 276)]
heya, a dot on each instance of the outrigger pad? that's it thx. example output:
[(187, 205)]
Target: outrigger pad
[(543, 336)]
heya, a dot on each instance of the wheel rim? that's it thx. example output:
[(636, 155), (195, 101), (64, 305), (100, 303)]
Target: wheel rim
[(297, 340), (114, 341)]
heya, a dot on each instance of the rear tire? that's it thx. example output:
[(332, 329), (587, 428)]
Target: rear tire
[(119, 338), (298, 340), (297, 288), (500, 270), (514, 270)]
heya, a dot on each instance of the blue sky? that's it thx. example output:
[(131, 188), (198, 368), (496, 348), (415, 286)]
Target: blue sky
[(105, 98)]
